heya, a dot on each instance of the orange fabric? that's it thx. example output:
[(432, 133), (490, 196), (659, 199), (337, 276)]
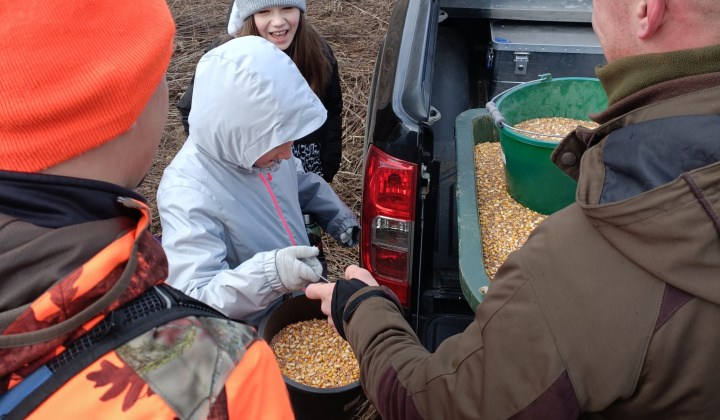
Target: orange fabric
[(110, 389), (75, 74), (90, 274), (86, 278), (80, 399), (256, 389), (82, 287)]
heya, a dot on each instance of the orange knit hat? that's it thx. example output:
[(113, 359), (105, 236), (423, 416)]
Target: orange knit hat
[(75, 74)]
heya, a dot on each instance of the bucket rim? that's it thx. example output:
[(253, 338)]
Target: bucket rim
[(527, 139), (311, 389)]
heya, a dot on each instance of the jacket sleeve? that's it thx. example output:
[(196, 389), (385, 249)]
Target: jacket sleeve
[(504, 364), (317, 196), (194, 241), (331, 143)]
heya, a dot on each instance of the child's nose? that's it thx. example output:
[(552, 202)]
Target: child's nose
[(276, 18), (285, 151), (285, 154)]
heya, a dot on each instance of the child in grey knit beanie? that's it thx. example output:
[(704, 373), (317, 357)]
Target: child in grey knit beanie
[(243, 9)]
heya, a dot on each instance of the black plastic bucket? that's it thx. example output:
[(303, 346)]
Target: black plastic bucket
[(309, 403)]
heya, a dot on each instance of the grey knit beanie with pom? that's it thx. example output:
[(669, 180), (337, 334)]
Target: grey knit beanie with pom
[(242, 9)]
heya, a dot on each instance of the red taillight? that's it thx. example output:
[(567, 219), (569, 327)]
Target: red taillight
[(388, 216)]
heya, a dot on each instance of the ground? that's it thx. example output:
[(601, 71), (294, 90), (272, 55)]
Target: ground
[(353, 28)]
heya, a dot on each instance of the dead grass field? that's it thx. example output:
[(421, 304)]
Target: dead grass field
[(353, 28)]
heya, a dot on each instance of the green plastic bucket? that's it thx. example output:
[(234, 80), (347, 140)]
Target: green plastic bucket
[(532, 178)]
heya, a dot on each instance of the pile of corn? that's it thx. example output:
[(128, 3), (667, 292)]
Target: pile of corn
[(311, 353), (505, 224), (555, 126)]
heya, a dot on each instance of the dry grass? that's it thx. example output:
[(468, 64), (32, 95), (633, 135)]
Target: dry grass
[(353, 28)]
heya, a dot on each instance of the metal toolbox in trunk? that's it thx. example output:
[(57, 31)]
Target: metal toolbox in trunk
[(520, 51)]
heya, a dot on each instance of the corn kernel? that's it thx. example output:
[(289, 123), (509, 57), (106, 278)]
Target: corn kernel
[(311, 353), (504, 223), (556, 126)]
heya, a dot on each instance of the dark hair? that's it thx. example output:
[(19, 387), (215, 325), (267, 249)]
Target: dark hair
[(308, 51)]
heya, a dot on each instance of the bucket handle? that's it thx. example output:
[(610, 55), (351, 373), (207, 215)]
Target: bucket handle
[(497, 115), (547, 77)]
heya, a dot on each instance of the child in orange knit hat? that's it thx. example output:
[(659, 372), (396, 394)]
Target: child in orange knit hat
[(88, 328)]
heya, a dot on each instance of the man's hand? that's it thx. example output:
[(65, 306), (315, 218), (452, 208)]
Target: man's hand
[(324, 291), (355, 272)]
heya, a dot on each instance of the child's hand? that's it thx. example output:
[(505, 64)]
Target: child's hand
[(297, 265), (350, 237)]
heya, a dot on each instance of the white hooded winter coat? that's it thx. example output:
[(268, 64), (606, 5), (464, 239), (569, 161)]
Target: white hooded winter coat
[(222, 218)]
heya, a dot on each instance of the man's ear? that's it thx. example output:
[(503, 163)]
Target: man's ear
[(650, 14)]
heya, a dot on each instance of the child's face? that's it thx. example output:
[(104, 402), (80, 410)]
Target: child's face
[(282, 152), (278, 24)]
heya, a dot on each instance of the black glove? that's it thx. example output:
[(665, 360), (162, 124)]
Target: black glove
[(344, 289)]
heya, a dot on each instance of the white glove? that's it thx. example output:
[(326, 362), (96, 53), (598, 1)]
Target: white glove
[(350, 237), (297, 265)]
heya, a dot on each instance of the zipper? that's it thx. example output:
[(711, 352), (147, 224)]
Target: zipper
[(277, 207)]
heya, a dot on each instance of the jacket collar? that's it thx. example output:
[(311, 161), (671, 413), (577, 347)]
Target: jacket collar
[(644, 156), (629, 75), (685, 96), (57, 201), (43, 271)]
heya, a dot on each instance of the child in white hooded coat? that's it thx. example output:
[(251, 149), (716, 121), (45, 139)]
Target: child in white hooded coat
[(230, 208)]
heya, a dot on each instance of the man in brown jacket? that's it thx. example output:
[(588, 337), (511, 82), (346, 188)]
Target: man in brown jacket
[(612, 307)]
